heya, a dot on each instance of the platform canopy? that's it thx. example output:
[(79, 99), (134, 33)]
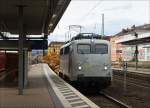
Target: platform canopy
[(39, 16), (145, 40)]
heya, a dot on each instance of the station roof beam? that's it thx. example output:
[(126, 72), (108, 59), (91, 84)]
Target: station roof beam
[(40, 16)]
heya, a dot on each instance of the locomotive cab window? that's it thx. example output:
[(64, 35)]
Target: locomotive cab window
[(61, 52), (84, 49), (101, 49), (67, 49)]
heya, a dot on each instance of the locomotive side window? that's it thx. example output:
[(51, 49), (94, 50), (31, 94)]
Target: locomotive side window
[(67, 49), (84, 49), (101, 49), (61, 52)]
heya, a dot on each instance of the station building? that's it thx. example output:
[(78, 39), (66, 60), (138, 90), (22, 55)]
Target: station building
[(54, 47), (121, 51)]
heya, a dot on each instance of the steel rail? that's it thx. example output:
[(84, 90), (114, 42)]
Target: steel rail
[(129, 82), (115, 100)]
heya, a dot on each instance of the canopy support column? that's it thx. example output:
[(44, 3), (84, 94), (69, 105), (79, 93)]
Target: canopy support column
[(21, 52)]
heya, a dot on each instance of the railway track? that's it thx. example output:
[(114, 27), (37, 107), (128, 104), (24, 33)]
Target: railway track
[(138, 86), (136, 93), (133, 81), (106, 101), (118, 102), (134, 75)]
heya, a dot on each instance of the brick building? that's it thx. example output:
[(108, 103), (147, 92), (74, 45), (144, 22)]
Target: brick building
[(116, 48), (55, 47)]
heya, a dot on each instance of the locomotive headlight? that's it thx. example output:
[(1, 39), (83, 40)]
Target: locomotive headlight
[(105, 67), (79, 68)]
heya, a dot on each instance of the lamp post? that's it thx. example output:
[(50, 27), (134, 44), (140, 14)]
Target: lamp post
[(102, 25), (136, 52)]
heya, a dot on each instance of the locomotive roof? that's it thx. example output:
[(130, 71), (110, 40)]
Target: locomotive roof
[(86, 41), (86, 36), (67, 44)]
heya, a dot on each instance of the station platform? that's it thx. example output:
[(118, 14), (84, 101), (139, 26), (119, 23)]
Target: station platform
[(35, 95), (133, 70), (45, 90)]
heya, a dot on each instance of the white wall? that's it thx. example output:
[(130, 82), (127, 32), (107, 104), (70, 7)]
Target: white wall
[(144, 52)]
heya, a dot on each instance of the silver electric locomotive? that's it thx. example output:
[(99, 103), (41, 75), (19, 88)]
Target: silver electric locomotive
[(87, 61)]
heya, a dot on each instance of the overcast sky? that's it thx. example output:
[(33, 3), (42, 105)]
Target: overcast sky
[(87, 13)]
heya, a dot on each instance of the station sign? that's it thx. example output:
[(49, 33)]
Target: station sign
[(29, 44)]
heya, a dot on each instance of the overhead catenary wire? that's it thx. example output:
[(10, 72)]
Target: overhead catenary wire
[(91, 10), (85, 16)]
